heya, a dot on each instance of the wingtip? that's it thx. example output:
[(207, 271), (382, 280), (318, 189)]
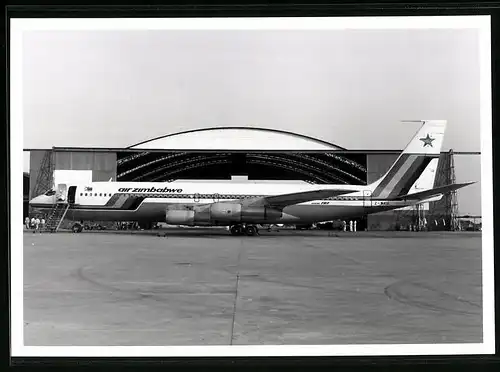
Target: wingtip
[(465, 184)]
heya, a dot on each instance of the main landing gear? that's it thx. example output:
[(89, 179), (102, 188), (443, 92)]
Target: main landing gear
[(249, 230)]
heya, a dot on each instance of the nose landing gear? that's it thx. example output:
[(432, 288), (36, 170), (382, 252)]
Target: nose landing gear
[(249, 230)]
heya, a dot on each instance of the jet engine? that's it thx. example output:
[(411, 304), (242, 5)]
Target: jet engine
[(219, 213), (237, 213), (179, 217)]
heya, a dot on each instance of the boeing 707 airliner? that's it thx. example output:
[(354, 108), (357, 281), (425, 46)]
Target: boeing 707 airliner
[(243, 206)]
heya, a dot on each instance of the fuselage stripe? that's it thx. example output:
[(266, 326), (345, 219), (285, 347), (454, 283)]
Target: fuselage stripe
[(131, 201)]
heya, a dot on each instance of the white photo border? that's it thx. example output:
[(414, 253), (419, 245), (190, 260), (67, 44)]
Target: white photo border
[(19, 25)]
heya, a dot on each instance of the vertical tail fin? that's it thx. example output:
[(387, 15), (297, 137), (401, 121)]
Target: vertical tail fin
[(424, 146)]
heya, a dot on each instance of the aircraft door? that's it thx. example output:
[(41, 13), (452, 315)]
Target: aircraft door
[(61, 192), (71, 194), (367, 198)]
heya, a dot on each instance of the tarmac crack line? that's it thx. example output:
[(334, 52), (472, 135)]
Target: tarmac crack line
[(394, 292), (234, 307), (236, 291)]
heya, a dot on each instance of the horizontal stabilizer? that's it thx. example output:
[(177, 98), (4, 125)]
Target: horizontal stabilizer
[(283, 200), (433, 192)]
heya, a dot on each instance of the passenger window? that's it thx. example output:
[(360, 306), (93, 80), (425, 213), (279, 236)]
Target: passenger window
[(100, 194), (85, 194), (81, 194)]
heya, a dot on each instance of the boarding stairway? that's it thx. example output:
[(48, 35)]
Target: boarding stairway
[(56, 216)]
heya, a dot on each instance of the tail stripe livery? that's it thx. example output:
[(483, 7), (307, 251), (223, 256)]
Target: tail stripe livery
[(417, 168), (425, 146), (402, 176)]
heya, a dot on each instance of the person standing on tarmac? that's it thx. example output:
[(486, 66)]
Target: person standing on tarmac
[(37, 225), (27, 223)]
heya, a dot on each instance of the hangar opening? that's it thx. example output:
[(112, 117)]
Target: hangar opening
[(320, 168)]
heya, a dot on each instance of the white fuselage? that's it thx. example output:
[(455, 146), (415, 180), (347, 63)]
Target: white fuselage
[(149, 201)]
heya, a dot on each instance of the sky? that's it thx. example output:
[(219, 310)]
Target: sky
[(348, 87)]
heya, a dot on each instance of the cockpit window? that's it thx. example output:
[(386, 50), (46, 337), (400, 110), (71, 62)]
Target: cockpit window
[(50, 193)]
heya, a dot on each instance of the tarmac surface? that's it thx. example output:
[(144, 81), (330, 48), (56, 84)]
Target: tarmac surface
[(205, 287)]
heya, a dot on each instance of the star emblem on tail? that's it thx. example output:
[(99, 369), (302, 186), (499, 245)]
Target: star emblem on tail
[(427, 141)]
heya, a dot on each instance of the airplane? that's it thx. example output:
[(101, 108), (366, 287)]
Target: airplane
[(244, 206)]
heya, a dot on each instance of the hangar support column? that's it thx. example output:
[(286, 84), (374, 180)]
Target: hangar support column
[(41, 171), (444, 212)]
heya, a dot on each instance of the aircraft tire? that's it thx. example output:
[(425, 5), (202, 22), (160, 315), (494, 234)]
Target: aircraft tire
[(236, 230), (250, 230)]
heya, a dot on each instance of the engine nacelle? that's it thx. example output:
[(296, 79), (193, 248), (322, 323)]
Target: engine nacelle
[(179, 217), (260, 214), (227, 212)]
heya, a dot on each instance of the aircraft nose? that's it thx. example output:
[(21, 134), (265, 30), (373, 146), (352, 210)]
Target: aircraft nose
[(35, 200), (42, 199)]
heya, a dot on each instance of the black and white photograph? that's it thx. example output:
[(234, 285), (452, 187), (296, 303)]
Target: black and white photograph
[(253, 187)]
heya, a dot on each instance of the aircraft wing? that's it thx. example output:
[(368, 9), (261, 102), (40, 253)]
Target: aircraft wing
[(433, 192), (280, 201)]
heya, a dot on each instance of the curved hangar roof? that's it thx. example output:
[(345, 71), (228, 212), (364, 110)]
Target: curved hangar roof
[(236, 138), (321, 167)]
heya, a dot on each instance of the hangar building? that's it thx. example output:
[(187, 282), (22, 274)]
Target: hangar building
[(228, 152)]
